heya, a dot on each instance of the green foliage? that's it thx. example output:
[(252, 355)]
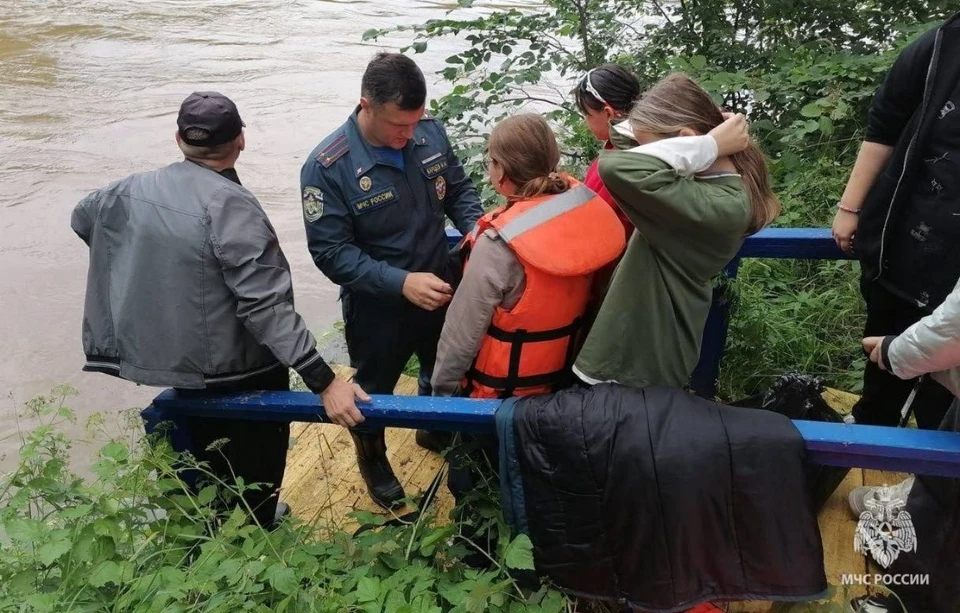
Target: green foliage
[(135, 538), (803, 72)]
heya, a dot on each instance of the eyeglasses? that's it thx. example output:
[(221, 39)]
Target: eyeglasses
[(591, 89)]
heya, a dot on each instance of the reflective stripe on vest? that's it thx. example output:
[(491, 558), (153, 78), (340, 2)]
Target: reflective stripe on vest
[(554, 207)]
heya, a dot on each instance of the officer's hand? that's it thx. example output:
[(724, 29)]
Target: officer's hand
[(427, 290), (732, 136), (340, 402)]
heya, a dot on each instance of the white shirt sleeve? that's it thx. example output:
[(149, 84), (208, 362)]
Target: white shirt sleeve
[(932, 345), (623, 127), (687, 154)]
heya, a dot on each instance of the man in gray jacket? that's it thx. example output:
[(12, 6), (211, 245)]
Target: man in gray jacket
[(187, 287)]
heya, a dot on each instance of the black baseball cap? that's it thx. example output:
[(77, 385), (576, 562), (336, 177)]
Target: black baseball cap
[(213, 113)]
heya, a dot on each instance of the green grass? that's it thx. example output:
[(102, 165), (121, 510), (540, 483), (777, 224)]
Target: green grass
[(794, 316), (135, 538)]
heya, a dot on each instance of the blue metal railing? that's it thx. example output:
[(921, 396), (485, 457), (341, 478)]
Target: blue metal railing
[(772, 243), (783, 243), (830, 444)]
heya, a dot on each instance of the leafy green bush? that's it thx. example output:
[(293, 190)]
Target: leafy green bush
[(136, 538), (803, 72)]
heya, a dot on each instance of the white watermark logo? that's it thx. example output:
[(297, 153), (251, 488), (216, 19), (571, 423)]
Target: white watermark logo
[(885, 529), (883, 579)]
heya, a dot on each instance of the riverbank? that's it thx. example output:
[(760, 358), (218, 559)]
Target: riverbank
[(89, 94)]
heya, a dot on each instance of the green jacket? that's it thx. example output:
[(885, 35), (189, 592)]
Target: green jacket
[(689, 226)]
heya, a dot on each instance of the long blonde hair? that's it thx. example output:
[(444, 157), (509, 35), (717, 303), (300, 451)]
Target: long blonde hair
[(526, 148), (676, 102)]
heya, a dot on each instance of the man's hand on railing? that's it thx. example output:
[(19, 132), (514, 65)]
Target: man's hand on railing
[(340, 402)]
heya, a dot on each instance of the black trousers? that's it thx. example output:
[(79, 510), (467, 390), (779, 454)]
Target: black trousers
[(883, 393), (381, 339), (255, 450), (934, 507)]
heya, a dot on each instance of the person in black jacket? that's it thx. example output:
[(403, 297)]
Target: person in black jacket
[(900, 211)]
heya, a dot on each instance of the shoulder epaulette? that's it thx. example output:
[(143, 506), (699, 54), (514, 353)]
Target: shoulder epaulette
[(334, 151)]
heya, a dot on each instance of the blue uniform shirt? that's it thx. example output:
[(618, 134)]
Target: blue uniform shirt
[(370, 222)]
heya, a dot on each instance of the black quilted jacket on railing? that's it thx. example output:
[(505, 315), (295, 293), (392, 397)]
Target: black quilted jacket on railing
[(659, 499)]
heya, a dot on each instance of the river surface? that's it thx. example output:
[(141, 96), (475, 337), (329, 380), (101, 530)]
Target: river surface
[(89, 91)]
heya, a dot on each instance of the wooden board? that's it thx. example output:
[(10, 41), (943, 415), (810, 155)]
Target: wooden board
[(322, 484)]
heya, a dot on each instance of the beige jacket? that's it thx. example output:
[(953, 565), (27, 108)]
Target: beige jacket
[(493, 277)]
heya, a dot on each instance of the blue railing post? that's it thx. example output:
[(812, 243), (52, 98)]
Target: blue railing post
[(703, 381), (162, 422), (783, 243)]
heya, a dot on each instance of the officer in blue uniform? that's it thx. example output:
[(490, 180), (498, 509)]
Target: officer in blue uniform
[(375, 196)]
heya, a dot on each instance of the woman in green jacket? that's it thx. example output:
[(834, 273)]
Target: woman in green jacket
[(694, 188)]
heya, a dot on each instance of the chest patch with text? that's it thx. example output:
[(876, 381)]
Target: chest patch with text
[(375, 201), (434, 165)]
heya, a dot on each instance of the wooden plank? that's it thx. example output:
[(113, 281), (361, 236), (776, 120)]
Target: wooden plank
[(322, 482), (883, 477), (837, 526)]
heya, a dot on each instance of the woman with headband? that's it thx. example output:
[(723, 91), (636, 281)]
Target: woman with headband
[(605, 96), (515, 322)]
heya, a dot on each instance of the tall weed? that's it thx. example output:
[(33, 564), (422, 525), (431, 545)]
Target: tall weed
[(135, 537)]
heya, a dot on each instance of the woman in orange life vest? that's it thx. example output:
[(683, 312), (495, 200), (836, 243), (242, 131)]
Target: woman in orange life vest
[(605, 96), (513, 326)]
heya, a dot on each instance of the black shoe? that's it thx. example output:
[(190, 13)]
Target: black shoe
[(876, 603), (382, 484), (435, 441)]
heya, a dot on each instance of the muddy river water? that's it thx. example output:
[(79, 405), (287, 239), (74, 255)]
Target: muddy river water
[(89, 91)]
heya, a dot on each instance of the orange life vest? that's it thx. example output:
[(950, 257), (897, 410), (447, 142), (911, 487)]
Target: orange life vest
[(561, 241)]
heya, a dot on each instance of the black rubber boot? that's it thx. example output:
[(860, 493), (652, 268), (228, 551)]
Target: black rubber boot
[(435, 441), (375, 469)]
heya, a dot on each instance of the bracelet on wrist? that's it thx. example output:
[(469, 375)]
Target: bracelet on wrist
[(843, 207)]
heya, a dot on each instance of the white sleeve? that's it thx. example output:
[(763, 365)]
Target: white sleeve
[(931, 345), (623, 127), (687, 154)]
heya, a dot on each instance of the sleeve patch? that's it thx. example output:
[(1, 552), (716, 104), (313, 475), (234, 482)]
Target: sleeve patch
[(312, 203)]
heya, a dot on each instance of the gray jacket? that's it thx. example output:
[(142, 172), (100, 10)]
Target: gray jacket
[(187, 285), (932, 345)]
